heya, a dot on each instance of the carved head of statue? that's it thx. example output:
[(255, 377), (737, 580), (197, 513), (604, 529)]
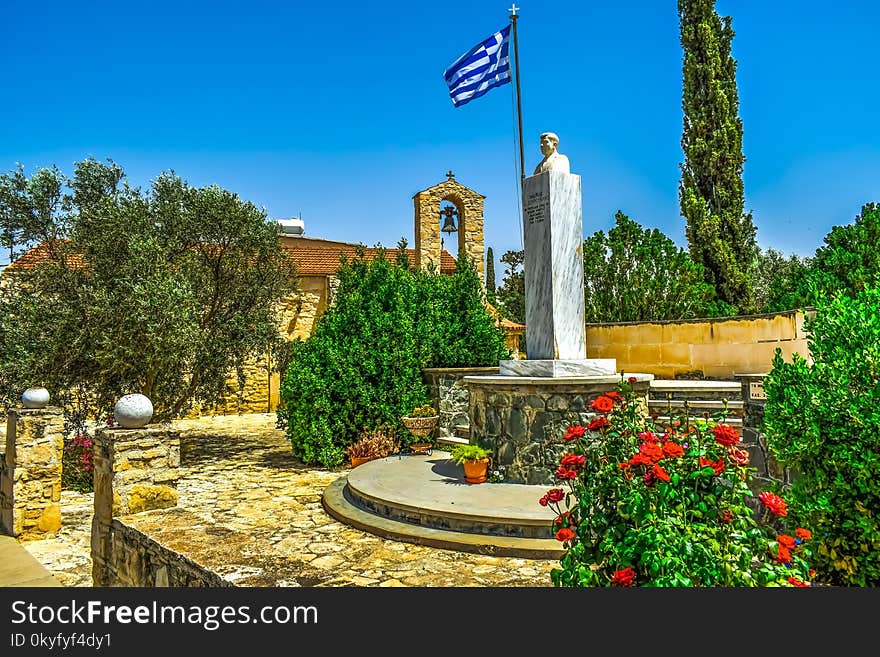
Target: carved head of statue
[(549, 143)]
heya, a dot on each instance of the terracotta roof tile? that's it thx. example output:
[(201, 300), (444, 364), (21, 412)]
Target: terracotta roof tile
[(309, 261), (325, 262), (40, 253)]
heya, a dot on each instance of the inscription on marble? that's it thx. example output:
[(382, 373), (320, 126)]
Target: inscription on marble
[(537, 206), (756, 390)]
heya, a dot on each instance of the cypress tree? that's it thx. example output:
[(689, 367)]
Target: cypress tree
[(490, 275), (720, 235)]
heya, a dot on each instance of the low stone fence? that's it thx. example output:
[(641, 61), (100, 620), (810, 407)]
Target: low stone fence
[(141, 556), (135, 470), (30, 473)]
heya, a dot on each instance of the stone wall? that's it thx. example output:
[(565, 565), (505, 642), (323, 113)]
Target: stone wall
[(135, 470), (140, 561), (297, 315), (450, 397), (521, 419), (30, 478), (701, 348)]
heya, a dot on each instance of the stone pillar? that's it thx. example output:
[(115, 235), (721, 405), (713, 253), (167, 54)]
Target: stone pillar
[(30, 480), (553, 264), (135, 470)]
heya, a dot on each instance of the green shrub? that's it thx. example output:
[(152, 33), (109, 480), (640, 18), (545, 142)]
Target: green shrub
[(822, 420), (362, 366)]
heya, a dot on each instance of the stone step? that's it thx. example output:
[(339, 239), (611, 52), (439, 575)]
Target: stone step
[(696, 407), (701, 390), (452, 440)]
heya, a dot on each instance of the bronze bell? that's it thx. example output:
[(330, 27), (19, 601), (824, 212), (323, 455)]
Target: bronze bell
[(448, 214)]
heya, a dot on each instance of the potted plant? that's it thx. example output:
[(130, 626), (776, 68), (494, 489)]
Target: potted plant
[(370, 445), (475, 461), (420, 423)]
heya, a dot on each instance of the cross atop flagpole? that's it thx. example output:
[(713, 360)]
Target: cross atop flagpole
[(513, 16)]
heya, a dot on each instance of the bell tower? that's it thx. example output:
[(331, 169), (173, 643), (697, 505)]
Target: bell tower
[(439, 208)]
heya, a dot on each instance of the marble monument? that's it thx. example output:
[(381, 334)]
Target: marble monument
[(554, 273)]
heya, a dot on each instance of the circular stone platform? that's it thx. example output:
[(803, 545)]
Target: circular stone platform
[(423, 499)]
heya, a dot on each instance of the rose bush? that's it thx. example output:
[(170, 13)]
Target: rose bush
[(644, 505)]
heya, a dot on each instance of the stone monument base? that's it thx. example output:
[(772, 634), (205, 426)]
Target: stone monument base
[(521, 420), (558, 367)]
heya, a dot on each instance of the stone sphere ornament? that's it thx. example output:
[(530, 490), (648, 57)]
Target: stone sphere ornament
[(133, 411), (35, 398)]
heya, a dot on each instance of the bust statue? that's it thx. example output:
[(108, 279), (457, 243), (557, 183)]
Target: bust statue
[(553, 159)]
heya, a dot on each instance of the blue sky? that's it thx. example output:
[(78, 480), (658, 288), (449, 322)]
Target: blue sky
[(338, 111)]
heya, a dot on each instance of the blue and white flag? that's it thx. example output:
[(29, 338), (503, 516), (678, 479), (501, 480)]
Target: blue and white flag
[(481, 68)]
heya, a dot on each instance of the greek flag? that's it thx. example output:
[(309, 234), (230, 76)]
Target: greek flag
[(481, 68)]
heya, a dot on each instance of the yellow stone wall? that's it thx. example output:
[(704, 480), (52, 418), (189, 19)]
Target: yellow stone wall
[(710, 348), (297, 315)]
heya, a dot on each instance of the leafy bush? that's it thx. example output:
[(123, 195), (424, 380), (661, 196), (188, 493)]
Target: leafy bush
[(822, 420), (666, 506), (362, 366)]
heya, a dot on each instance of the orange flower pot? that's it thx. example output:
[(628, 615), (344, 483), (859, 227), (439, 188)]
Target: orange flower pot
[(475, 471), (358, 460)]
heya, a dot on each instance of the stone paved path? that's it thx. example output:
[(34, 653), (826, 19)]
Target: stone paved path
[(237, 472)]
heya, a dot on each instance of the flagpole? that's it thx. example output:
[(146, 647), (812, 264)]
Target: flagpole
[(513, 16)]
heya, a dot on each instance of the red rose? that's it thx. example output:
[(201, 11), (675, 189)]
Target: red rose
[(803, 534), (641, 459), (726, 515), (623, 577), (564, 534), (623, 466), (602, 404), (555, 495), (565, 473), (563, 520), (573, 432), (794, 581), (632, 379), (649, 437), (786, 541), (726, 435), (774, 503), (783, 555), (717, 466), (672, 450), (543, 500), (651, 451), (598, 423), (614, 395), (572, 461), (660, 473), (738, 456)]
